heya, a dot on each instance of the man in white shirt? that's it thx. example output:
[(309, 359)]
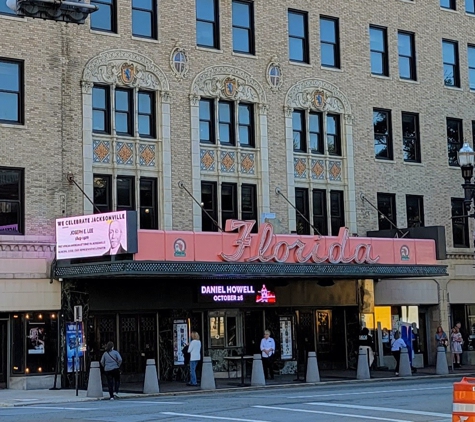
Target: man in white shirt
[(268, 350)]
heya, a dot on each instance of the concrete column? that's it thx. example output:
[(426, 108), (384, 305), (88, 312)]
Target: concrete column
[(257, 377), (442, 368), (94, 384), (362, 372), (150, 384), (313, 374), (405, 364), (207, 375)]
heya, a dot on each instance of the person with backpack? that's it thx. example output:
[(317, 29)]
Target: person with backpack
[(396, 345), (111, 361)]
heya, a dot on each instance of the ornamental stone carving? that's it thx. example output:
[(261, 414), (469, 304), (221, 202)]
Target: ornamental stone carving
[(179, 62), (274, 74), (228, 82), (123, 67), (316, 94)]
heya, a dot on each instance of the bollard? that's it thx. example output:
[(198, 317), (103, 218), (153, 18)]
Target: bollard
[(312, 368), (207, 375), (442, 368), (257, 377), (94, 385), (405, 364), (463, 408), (150, 384), (362, 372)]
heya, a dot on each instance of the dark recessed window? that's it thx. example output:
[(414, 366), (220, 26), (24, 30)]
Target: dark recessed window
[(298, 128), (207, 122), (319, 208), (383, 146), (148, 203), (11, 201), (246, 125), (411, 143), (229, 208), (298, 36), (379, 51), (249, 204), (415, 211), (243, 27), (387, 211), (124, 121), (329, 42), (226, 123), (146, 114), (450, 57), (302, 213), (471, 66), (207, 28), (460, 234), (333, 134), (101, 109), (407, 55), (102, 193), (454, 140), (315, 133), (337, 212), (105, 18), (447, 4), (209, 199), (11, 92), (144, 19), (125, 193)]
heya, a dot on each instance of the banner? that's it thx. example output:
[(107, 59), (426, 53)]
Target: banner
[(36, 338), (71, 345)]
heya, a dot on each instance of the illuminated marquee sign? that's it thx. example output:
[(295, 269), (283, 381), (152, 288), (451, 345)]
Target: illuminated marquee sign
[(236, 293)]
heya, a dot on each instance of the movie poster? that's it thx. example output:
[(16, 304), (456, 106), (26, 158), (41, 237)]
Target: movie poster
[(180, 340), (71, 345), (36, 338)]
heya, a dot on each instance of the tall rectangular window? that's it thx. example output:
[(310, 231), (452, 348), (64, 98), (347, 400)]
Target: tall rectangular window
[(454, 140), (386, 206), (243, 26), (144, 19), (383, 146), (450, 56), (101, 109), (333, 134), (125, 193), (146, 114), (11, 92), (249, 204), (473, 133), (11, 200), (315, 133), (379, 51), (246, 125), (148, 203), (470, 6), (298, 128), (298, 36), (226, 123), (207, 29), (102, 192), (460, 234), (448, 4), (207, 135), (329, 42), (229, 209), (337, 211), (5, 10), (407, 55), (303, 213), (471, 66), (124, 122), (209, 199), (415, 211), (319, 209), (105, 18), (411, 143)]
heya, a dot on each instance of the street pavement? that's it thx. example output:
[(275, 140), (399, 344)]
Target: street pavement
[(16, 398)]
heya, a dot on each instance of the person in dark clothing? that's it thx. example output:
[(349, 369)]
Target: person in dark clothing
[(111, 361), (365, 340)]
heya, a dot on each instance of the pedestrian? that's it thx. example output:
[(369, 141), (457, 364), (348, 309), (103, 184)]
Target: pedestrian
[(441, 338), (111, 361), (456, 342), (396, 345), (267, 351), (194, 349), (367, 343)]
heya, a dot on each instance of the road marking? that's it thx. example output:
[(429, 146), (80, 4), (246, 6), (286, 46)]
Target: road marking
[(347, 415), (370, 392), (58, 408), (153, 402), (386, 409), (223, 418)]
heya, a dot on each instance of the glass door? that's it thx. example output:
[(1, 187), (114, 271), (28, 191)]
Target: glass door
[(3, 352), (324, 332)]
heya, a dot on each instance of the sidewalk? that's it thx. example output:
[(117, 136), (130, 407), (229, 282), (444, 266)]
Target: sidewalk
[(9, 398)]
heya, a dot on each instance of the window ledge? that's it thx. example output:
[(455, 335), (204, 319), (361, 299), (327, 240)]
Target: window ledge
[(378, 160), (106, 33), (413, 163), (209, 49), (388, 78), (409, 81), (146, 40), (331, 69), (454, 88), (408, 1), (245, 55), (14, 18), (13, 126), (300, 64), (445, 9)]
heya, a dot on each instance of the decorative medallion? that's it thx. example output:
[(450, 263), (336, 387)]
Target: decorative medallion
[(274, 74), (125, 153), (179, 61), (300, 168), (318, 169), (127, 73), (147, 155), (230, 87), (179, 248), (101, 151), (404, 251), (207, 160), (335, 170), (227, 162), (247, 163), (319, 99)]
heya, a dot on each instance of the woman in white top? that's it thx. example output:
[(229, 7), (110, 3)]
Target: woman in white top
[(396, 345), (194, 349)]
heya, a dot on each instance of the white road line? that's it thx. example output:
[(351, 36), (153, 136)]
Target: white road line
[(58, 408), (386, 409), (369, 392), (152, 402), (222, 418), (347, 415)]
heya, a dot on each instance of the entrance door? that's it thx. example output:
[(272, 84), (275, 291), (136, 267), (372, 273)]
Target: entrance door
[(3, 353)]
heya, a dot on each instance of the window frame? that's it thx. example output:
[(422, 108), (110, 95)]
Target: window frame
[(302, 204), (153, 208), (336, 136), (406, 138), (251, 128), (454, 147), (226, 315), (20, 201), (106, 207), (233, 212), (411, 58), (335, 44), (250, 30), (337, 220), (152, 114), (112, 15), (250, 215), (320, 221), (129, 112), (210, 123), (153, 20), (213, 210), (302, 147), (304, 39), (107, 111), (420, 206), (214, 23), (383, 54), (386, 201), (229, 124), (20, 93), (455, 65), (389, 136), (460, 222), (450, 4), (471, 65), (131, 181)]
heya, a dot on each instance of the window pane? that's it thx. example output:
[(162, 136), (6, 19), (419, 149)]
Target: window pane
[(244, 135), (142, 23), (297, 25), (99, 120), (121, 100), (404, 67), (404, 44), (99, 97), (227, 197), (101, 19), (224, 112), (142, 4), (205, 110), (297, 121), (216, 331), (122, 123), (241, 14), (205, 134), (296, 49), (244, 114), (328, 55), (205, 34), (145, 125), (377, 39), (205, 10), (145, 103), (241, 41), (449, 52), (9, 107), (224, 133), (377, 63), (125, 192), (328, 31), (9, 76)]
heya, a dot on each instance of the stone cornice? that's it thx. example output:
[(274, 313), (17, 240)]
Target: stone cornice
[(25, 245), (467, 256)]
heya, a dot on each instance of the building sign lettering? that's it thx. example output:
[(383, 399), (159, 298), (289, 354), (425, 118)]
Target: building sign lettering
[(237, 293)]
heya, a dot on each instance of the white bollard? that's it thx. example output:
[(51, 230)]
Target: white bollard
[(313, 374), (405, 364), (207, 375), (150, 384), (442, 368), (94, 384), (257, 377), (362, 372)]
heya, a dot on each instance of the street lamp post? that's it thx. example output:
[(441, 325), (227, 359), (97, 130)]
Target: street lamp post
[(466, 159)]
